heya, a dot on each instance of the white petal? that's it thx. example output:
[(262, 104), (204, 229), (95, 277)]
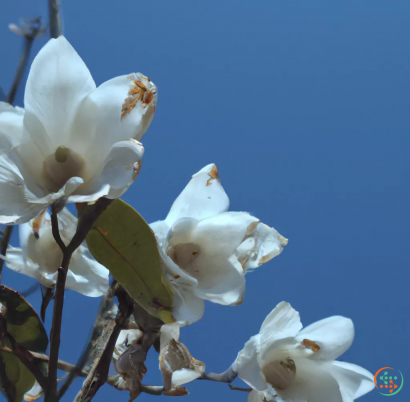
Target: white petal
[(160, 229), (220, 281), (187, 308), (58, 81), (11, 126), (313, 383), (247, 364), (184, 376), (16, 262), (203, 197), (168, 332), (95, 276), (354, 380), (100, 118), (334, 335), (268, 244), (34, 393), (281, 323), (15, 205), (255, 396), (121, 166)]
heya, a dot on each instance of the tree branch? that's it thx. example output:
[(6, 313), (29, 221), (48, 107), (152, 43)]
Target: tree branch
[(62, 365), (55, 19), (233, 388), (89, 215), (227, 377), (99, 373)]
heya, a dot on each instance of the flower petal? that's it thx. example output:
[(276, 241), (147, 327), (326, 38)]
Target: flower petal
[(15, 205), (202, 198), (187, 308), (168, 332), (11, 126), (100, 118), (58, 81), (354, 381), (121, 166), (255, 396), (281, 323), (334, 335), (268, 244), (247, 364), (184, 376)]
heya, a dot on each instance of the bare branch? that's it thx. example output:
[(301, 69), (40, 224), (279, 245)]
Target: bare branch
[(233, 388), (55, 19), (99, 373), (89, 216), (227, 377), (62, 365)]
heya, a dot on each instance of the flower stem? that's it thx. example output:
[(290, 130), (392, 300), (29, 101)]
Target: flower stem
[(227, 377), (55, 19), (85, 223)]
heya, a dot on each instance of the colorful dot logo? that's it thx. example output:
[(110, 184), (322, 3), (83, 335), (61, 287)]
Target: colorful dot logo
[(388, 381)]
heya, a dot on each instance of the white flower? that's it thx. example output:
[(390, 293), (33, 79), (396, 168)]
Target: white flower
[(207, 251), (73, 140), (40, 256), (287, 364)]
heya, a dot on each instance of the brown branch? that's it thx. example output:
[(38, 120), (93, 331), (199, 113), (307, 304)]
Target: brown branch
[(4, 244), (7, 386), (55, 20), (40, 357), (99, 373), (97, 341), (55, 229), (227, 377), (22, 353), (233, 388), (89, 216)]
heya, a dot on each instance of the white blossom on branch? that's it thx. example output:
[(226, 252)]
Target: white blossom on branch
[(207, 251), (286, 363), (40, 256), (73, 141)]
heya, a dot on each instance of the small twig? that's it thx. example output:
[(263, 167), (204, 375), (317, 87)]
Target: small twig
[(85, 223), (62, 365), (4, 244), (97, 340), (55, 19), (99, 373), (7, 386), (227, 377), (55, 229), (47, 295), (233, 388), (22, 353)]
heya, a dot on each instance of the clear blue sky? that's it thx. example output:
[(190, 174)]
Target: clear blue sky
[(304, 106)]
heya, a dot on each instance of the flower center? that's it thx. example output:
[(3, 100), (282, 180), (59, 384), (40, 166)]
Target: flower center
[(184, 255), (61, 166), (280, 373)]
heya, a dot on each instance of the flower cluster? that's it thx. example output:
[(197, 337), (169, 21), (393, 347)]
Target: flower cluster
[(76, 143)]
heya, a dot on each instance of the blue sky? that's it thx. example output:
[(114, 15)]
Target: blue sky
[(304, 106)]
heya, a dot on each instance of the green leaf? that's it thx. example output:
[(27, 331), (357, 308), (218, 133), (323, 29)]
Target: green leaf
[(25, 326), (124, 243)]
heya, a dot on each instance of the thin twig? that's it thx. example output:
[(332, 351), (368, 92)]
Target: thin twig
[(62, 365), (97, 341), (4, 244), (55, 229), (85, 223), (227, 377), (55, 19), (99, 373), (22, 353), (7, 386), (233, 388)]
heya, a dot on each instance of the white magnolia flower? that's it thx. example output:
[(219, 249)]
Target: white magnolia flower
[(73, 140), (207, 251), (40, 256), (287, 364)]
